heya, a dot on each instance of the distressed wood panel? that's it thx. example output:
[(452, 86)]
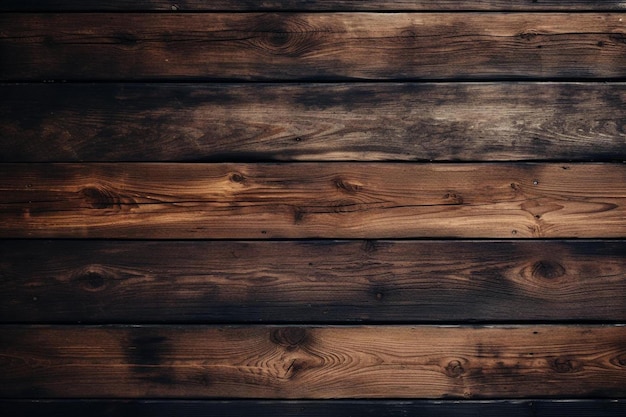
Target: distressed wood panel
[(325, 5), (313, 362), (312, 200), (315, 408), (314, 281), (329, 46), (313, 122)]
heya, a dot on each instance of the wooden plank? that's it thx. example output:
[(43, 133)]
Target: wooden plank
[(312, 200), (303, 408), (317, 5), (311, 281), (313, 362), (329, 46), (314, 122)]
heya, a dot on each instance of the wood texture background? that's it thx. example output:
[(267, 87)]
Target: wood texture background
[(299, 208)]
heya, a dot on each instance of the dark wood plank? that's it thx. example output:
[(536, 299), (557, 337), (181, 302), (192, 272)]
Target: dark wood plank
[(318, 5), (311, 200), (316, 281), (330, 46), (303, 408), (313, 362), (314, 122)]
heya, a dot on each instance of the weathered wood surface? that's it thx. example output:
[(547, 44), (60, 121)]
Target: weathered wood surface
[(315, 281), (314, 408), (313, 362), (317, 5), (312, 200), (301, 46), (313, 122)]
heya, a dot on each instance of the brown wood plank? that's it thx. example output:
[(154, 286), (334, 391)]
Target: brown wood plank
[(309, 200), (311, 281), (315, 408), (314, 122), (318, 5), (330, 46), (313, 362)]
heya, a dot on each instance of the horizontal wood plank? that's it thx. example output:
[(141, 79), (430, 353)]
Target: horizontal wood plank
[(301, 46), (317, 5), (314, 408), (314, 281), (312, 200), (313, 362), (314, 122)]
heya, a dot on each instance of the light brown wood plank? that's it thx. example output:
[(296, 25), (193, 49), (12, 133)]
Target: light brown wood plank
[(314, 122), (307, 200), (327, 5), (297, 46), (313, 362), (311, 281)]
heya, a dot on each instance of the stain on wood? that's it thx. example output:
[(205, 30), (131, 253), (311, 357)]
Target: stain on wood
[(313, 122)]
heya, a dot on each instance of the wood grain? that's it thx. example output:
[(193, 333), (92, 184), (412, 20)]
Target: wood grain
[(311, 281), (313, 122), (325, 5), (313, 362), (315, 408), (300, 46), (312, 200)]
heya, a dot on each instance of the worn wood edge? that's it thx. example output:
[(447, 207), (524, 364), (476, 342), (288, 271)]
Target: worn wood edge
[(426, 281), (314, 362), (303, 408), (174, 122), (306, 5)]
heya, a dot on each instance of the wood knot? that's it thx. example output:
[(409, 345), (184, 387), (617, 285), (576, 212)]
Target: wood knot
[(98, 197), (283, 35), (455, 369), (237, 177), (346, 186), (545, 269), (453, 198), (289, 337), (527, 35), (126, 39), (92, 281), (620, 360), (563, 365)]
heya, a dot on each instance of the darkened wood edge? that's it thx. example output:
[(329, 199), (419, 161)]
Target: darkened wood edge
[(321, 281), (330, 408), (296, 5), (205, 122)]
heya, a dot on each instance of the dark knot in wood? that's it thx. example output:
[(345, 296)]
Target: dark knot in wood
[(455, 369), (100, 198), (563, 365), (546, 269)]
